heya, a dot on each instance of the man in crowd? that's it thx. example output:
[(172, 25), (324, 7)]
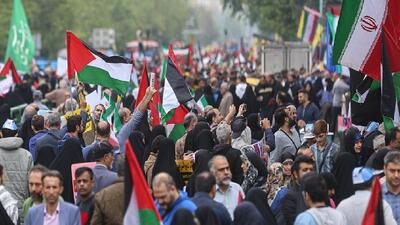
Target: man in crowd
[(189, 122), (287, 139), (58, 96), (316, 194), (37, 127), (104, 156), (324, 150), (35, 188), (229, 193), (169, 199), (98, 110), (354, 207), (103, 132), (227, 99), (124, 115), (391, 187), (16, 160), (74, 130), (9, 204), (84, 187), (265, 91), (293, 202), (37, 100), (205, 186), (307, 112), (53, 124), (214, 118), (53, 211), (109, 202), (223, 133)]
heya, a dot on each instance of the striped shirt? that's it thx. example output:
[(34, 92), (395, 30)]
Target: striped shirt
[(231, 197)]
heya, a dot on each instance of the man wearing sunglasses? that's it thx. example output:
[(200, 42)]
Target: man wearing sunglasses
[(324, 150)]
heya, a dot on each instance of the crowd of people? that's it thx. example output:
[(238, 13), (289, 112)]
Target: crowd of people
[(267, 153)]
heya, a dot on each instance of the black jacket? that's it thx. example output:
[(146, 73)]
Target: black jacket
[(234, 160), (293, 204), (201, 199)]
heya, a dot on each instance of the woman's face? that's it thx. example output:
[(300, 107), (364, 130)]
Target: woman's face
[(308, 87), (287, 167), (357, 146)]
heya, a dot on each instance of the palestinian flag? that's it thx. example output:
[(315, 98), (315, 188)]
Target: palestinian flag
[(390, 93), (155, 102), (8, 77), (176, 91), (358, 41), (202, 103), (111, 113), (366, 96), (140, 207), (96, 68), (174, 125), (374, 214)]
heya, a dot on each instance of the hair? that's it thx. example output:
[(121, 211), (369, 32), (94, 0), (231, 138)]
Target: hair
[(70, 105), (392, 157), (223, 133), (37, 95), (391, 135), (211, 162), (1, 170), (320, 126), (103, 131), (304, 91), (38, 169), (121, 165), (81, 170), (53, 119), (242, 79), (121, 113), (280, 115), (101, 149), (163, 178), (301, 159), (210, 115), (53, 173), (330, 180), (188, 119), (8, 133), (101, 105), (72, 122), (315, 186), (283, 97), (37, 122), (204, 182)]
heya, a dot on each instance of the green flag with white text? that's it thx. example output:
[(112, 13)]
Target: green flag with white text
[(20, 45)]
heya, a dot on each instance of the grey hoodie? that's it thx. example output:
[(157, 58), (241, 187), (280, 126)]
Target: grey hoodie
[(16, 162), (327, 216)]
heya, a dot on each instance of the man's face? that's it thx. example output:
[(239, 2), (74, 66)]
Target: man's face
[(302, 98), (108, 159), (218, 117), (392, 173), (35, 185), (292, 112), (222, 172), (304, 168), (321, 138), (98, 111), (84, 184), (52, 189), (396, 143), (164, 195)]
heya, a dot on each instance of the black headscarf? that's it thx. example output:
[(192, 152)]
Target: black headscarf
[(343, 170), (253, 123), (26, 132), (157, 130), (259, 198), (191, 136), (136, 140), (45, 155), (206, 216), (165, 162), (204, 140), (4, 216), (260, 166), (202, 157), (349, 142), (246, 213), (4, 113), (183, 217), (71, 153)]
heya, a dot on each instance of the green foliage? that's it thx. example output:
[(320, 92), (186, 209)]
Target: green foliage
[(274, 16), (165, 20)]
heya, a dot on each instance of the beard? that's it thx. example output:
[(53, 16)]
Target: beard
[(292, 122)]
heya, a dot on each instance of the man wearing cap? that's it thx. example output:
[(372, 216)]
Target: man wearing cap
[(354, 207), (16, 161), (391, 187)]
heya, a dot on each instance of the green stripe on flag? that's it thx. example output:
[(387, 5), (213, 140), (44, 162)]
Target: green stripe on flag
[(148, 217), (164, 69), (95, 75), (350, 11), (177, 132)]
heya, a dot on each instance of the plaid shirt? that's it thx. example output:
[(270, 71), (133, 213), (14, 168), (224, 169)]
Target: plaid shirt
[(330, 156), (393, 200)]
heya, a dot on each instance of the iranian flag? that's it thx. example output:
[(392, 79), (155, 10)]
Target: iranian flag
[(8, 77), (358, 38), (141, 209), (94, 67)]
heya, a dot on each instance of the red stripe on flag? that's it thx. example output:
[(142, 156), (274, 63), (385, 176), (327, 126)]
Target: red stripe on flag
[(9, 66), (179, 115), (140, 187), (171, 54), (144, 83), (78, 55)]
